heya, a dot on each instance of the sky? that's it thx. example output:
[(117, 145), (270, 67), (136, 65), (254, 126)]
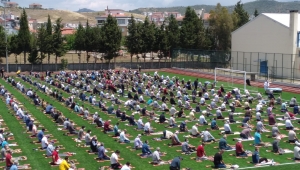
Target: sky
[(100, 5)]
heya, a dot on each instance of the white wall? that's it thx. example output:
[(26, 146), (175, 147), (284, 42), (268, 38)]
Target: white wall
[(259, 40)]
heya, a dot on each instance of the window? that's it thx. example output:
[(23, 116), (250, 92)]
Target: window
[(101, 21), (121, 21), (122, 29)]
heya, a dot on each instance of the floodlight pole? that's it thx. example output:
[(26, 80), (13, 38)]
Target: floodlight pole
[(6, 55)]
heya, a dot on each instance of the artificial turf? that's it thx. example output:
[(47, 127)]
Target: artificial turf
[(87, 161)]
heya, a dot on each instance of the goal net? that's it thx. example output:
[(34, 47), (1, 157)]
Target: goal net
[(231, 79)]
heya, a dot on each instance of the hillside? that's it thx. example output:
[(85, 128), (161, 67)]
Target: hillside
[(68, 16), (263, 6)]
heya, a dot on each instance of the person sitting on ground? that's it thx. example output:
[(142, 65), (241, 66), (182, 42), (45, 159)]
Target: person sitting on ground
[(147, 128), (116, 129), (207, 136), (137, 142), (192, 115), (292, 136), (114, 160), (288, 124), (87, 138), (194, 131), (107, 126), (275, 146), (293, 101), (271, 119), (172, 122), (186, 147), (146, 149), (162, 118), (202, 120), (140, 124), (284, 107), (239, 149), (255, 157), (227, 128), (246, 133), (175, 140), (175, 164), (156, 156), (218, 160), (72, 129), (296, 109), (213, 124), (8, 159), (219, 114), (50, 149), (289, 115), (201, 154), (167, 134), (102, 152), (296, 153), (257, 139), (260, 126), (183, 127), (123, 138), (223, 144), (56, 160)]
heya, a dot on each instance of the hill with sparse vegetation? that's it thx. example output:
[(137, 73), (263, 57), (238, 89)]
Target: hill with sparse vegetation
[(263, 6)]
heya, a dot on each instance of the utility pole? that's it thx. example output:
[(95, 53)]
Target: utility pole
[(6, 55)]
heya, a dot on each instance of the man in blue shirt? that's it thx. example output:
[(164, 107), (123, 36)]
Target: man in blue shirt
[(101, 153), (223, 144), (214, 125), (49, 107), (257, 139), (40, 135), (175, 164), (183, 127), (145, 149), (255, 157)]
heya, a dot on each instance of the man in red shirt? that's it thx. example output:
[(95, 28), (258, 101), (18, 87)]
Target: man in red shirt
[(239, 149), (8, 159), (107, 126), (201, 155), (55, 157)]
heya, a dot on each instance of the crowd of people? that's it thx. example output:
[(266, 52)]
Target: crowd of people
[(150, 96)]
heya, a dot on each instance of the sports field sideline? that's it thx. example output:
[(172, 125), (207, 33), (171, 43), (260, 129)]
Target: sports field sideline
[(37, 160)]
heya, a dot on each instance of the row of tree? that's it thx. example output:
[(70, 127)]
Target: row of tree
[(143, 37)]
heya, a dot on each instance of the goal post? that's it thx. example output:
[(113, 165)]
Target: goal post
[(232, 74)]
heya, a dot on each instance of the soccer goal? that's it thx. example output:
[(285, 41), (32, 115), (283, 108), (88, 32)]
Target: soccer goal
[(228, 77)]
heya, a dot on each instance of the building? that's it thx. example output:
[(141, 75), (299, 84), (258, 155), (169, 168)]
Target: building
[(268, 44), (201, 14), (11, 5), (159, 17), (122, 19), (35, 6), (32, 24), (68, 31)]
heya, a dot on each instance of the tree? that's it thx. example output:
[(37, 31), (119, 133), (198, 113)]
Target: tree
[(161, 43), (2, 42), (70, 39), (89, 44), (133, 39), (33, 57), (173, 33), (14, 46), (24, 35), (49, 44), (41, 41), (148, 37), (111, 37), (221, 26), (192, 35), (58, 40), (256, 13), (79, 42), (242, 15)]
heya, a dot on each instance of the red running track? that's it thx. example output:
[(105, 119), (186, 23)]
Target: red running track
[(222, 78)]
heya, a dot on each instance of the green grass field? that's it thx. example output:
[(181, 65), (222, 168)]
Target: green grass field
[(37, 160)]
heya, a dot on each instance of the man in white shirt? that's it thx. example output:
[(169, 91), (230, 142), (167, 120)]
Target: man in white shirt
[(114, 160), (173, 110), (137, 142), (288, 124), (126, 166), (297, 153), (194, 131), (258, 116), (292, 136), (266, 85), (123, 138), (259, 107), (45, 142), (147, 128), (202, 120), (164, 107), (227, 128), (140, 123), (155, 156), (207, 137)]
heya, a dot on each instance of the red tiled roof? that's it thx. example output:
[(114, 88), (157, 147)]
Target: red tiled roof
[(68, 31), (206, 16)]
